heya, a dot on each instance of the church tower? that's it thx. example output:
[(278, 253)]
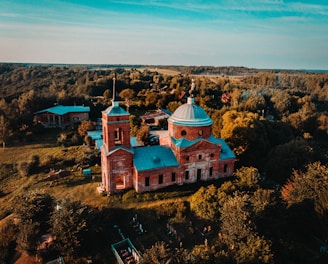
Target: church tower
[(116, 155)]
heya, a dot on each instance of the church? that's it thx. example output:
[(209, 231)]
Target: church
[(188, 152)]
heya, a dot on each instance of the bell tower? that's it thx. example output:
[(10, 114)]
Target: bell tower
[(116, 155), (115, 125)]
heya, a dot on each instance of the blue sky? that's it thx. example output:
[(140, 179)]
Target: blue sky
[(250, 33)]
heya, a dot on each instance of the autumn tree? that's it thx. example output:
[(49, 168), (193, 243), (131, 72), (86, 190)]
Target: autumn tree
[(204, 203), (151, 99), (239, 233), (282, 103), (85, 126), (172, 106), (247, 178), (143, 134), (127, 94), (159, 253), (244, 131), (311, 184)]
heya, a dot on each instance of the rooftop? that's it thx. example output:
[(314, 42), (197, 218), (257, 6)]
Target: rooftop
[(115, 110), (153, 157), (62, 110), (190, 114)]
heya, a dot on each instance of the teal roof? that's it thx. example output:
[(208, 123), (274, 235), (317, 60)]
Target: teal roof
[(226, 152), (95, 134), (185, 143), (62, 110), (99, 143), (115, 110), (153, 157)]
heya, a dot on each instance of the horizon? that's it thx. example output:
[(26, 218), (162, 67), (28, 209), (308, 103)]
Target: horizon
[(260, 34)]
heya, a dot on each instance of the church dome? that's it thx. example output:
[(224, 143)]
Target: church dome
[(190, 114)]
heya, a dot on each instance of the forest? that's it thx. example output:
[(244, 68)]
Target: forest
[(273, 210)]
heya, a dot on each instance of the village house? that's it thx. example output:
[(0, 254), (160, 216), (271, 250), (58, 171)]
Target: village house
[(188, 152), (61, 116)]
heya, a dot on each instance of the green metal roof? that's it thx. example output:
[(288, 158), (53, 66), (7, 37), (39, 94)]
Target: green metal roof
[(115, 110), (62, 110), (226, 152), (153, 157)]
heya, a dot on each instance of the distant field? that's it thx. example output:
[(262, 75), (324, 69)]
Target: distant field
[(162, 71)]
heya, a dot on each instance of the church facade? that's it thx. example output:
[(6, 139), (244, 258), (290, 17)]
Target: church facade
[(188, 152)]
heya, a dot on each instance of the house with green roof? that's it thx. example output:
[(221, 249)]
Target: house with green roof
[(61, 116)]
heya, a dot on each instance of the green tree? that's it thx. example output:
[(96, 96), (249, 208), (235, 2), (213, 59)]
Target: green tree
[(204, 203), (33, 209), (8, 234), (69, 225), (292, 155), (28, 235)]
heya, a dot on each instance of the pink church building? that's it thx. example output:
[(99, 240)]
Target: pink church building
[(188, 152)]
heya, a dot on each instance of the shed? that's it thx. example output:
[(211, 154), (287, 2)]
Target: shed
[(86, 172)]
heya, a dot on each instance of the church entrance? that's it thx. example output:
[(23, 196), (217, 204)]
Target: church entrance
[(199, 174), (119, 180)]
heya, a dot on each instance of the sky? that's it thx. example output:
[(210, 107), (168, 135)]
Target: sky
[(269, 34)]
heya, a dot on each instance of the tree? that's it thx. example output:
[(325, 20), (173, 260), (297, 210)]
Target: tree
[(312, 185), (33, 209), (235, 219), (289, 156), (151, 99), (159, 253), (204, 203), (282, 102), (255, 103), (69, 225), (85, 126), (28, 234), (8, 235), (247, 178), (244, 131), (143, 134), (3, 130), (127, 95), (172, 106), (238, 232)]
